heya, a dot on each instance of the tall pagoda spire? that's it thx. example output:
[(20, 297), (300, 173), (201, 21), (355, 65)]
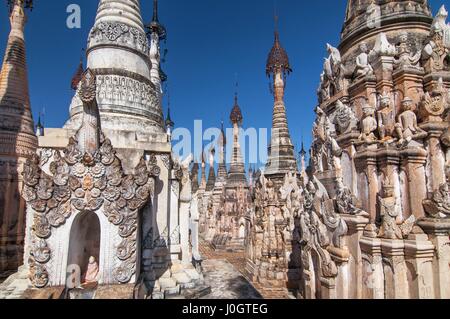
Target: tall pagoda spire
[(17, 138), (237, 169), (194, 177), (281, 151), (222, 174), (157, 32), (203, 167), (120, 55), (212, 173)]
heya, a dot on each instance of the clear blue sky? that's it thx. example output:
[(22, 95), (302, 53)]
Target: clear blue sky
[(209, 41)]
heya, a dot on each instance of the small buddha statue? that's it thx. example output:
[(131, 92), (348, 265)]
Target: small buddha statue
[(407, 128), (92, 271), (405, 57), (369, 125), (363, 67)]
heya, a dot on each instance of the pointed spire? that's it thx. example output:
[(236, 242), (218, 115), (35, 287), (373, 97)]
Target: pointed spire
[(237, 174), (15, 108), (278, 59), (18, 141), (39, 127), (203, 166), (236, 114), (194, 177), (155, 26), (212, 173), (222, 173), (78, 75), (118, 31), (302, 151), (281, 151)]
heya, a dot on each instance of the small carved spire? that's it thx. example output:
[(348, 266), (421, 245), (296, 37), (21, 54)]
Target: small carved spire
[(278, 60), (236, 114), (302, 151), (155, 26), (26, 4), (169, 123), (77, 76), (39, 127)]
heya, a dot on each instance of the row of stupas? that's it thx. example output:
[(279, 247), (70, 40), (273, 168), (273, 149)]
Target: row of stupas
[(105, 199), (224, 197)]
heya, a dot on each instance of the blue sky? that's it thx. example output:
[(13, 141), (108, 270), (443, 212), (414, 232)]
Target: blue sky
[(209, 41)]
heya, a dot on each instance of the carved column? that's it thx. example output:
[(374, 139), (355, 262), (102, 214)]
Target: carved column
[(436, 156), (185, 202), (413, 161), (419, 253), (394, 257), (373, 275), (438, 231), (363, 89), (174, 219), (366, 162), (383, 66)]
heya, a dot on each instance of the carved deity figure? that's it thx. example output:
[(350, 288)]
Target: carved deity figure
[(92, 271), (344, 118), (405, 57), (439, 204), (435, 54), (363, 67), (346, 202), (324, 89), (334, 70), (392, 226), (407, 128), (369, 125), (386, 118)]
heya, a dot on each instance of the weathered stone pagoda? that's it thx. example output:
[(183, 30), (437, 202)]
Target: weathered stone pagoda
[(235, 197), (269, 240), (17, 140), (107, 204), (375, 220)]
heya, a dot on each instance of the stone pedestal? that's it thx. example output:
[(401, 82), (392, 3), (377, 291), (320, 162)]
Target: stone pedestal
[(356, 225), (396, 281), (328, 288), (373, 274), (438, 231), (419, 256)]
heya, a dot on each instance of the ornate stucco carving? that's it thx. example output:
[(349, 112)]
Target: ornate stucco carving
[(107, 33), (87, 176)]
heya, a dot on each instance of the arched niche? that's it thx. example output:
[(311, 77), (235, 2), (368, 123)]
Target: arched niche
[(84, 241)]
